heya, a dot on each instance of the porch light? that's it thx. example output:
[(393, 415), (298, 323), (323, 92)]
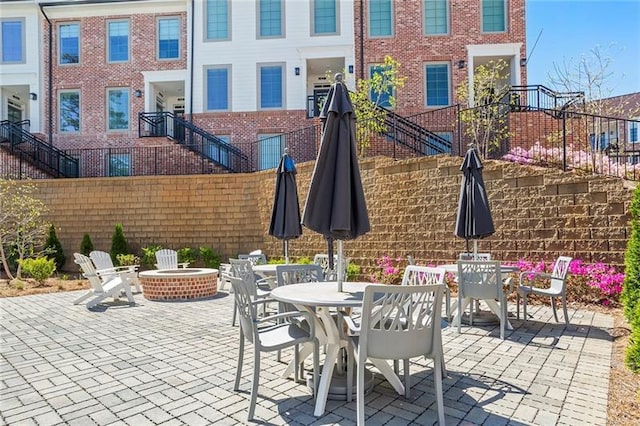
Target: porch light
[(296, 70), (350, 69), (137, 93), (461, 63), (523, 62), (33, 96)]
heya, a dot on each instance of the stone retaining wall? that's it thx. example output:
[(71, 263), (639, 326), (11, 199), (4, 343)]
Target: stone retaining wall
[(538, 212)]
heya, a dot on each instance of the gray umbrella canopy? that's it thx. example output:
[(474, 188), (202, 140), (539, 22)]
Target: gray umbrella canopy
[(474, 219), (335, 205), (285, 215)]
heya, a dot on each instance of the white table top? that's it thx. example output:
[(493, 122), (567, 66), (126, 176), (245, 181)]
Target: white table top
[(269, 268), (321, 294)]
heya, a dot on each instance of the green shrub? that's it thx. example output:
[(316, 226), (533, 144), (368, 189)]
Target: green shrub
[(149, 255), (353, 271), (210, 258), (276, 261), (40, 269), (631, 286), (53, 249), (304, 260), (128, 259), (633, 350), (86, 246), (187, 255), (118, 244)]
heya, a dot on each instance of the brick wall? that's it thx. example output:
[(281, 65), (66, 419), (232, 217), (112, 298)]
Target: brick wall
[(538, 212)]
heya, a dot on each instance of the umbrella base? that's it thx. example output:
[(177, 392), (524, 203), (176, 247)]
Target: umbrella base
[(338, 385), (481, 318)]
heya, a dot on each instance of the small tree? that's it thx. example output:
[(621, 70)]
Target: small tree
[(630, 296), (485, 120), (22, 227), (53, 249), (39, 269), (370, 95), (86, 246), (118, 244)]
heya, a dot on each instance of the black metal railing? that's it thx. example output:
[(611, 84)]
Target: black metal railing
[(15, 137), (413, 135), (194, 138), (539, 97)]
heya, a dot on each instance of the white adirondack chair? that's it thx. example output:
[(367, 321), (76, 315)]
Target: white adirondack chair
[(102, 261), (110, 286), (168, 259)]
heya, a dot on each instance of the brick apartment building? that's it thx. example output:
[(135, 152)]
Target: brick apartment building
[(243, 70)]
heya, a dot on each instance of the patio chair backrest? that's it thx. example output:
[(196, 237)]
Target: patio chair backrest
[(559, 274), (475, 256), (322, 259), (423, 275), (480, 280), (255, 259), (296, 274), (88, 271), (167, 259)]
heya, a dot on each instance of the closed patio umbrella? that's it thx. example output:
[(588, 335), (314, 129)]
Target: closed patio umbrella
[(335, 205), (474, 219), (285, 215)]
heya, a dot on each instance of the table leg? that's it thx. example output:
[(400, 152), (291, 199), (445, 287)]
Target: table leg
[(493, 305)]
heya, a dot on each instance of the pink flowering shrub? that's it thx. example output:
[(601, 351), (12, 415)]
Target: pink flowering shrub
[(598, 162), (586, 282), (389, 271)]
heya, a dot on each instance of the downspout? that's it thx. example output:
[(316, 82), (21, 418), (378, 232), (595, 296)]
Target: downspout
[(361, 71), (50, 88), (193, 20)]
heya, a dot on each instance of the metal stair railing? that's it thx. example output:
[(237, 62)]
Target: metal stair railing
[(410, 134), (15, 137), (194, 138), (539, 97)]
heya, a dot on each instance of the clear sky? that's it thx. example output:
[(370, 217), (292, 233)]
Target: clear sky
[(571, 28)]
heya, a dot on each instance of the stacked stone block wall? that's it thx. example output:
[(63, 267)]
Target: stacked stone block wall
[(538, 212)]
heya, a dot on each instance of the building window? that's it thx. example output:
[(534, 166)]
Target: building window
[(217, 89), (119, 164), (380, 18), (12, 41), (169, 38), (494, 16), (217, 151), (381, 99), (270, 148), (118, 41), (436, 17), (271, 17), (218, 13), (271, 94), (118, 107), (69, 104), (437, 84), (325, 17), (633, 131), (69, 43)]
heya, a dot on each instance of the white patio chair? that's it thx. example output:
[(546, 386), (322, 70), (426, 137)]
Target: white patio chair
[(399, 323), (322, 259), (168, 259), (254, 258), (102, 286), (558, 287), (473, 256), (258, 289), (269, 337), (102, 261), (481, 281), (224, 275)]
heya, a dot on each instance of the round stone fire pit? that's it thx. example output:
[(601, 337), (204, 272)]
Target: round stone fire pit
[(179, 284)]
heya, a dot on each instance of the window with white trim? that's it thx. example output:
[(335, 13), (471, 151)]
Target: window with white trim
[(13, 42), (218, 87), (218, 16)]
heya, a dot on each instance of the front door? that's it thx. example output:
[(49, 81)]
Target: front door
[(14, 114)]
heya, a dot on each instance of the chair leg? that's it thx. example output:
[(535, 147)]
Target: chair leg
[(235, 312), (296, 364), (517, 305), (564, 309), (407, 379), (503, 319), (437, 378), (360, 388), (316, 367), (236, 385), (524, 307), (553, 306), (350, 359), (256, 379), (83, 297), (447, 302)]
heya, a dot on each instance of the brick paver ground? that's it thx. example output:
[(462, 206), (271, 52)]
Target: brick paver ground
[(174, 363)]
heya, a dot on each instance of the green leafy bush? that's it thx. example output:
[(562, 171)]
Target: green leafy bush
[(633, 350), (128, 259), (118, 244), (86, 246), (210, 258), (53, 248), (631, 286), (353, 271), (149, 255), (40, 269), (304, 260), (276, 261), (187, 255)]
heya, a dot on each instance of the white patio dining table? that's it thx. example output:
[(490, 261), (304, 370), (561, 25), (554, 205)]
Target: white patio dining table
[(492, 304), (318, 298)]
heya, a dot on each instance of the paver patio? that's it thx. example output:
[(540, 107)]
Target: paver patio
[(174, 363)]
